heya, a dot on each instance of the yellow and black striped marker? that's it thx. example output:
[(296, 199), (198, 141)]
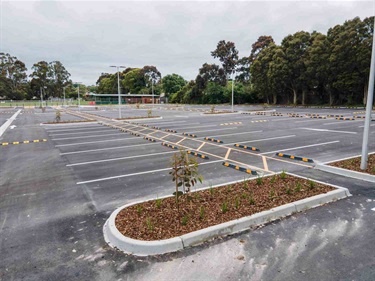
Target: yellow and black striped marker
[(197, 154), (345, 118), (259, 121), (295, 157), (170, 131), (156, 128), (169, 145), (149, 139), (189, 135), (331, 115), (232, 123), (360, 117), (318, 117), (22, 142), (246, 147), (135, 134), (214, 140), (238, 168)]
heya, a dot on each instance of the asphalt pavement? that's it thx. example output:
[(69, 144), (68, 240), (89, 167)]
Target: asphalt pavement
[(56, 195)]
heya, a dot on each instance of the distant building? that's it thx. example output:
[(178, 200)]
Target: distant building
[(125, 98)]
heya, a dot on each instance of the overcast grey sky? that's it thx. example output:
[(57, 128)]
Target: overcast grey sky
[(176, 37)]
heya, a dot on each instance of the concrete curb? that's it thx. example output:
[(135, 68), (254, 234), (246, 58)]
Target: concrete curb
[(8, 122), (345, 173), (144, 248)]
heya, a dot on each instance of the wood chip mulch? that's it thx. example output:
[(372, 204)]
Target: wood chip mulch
[(161, 219), (354, 164)]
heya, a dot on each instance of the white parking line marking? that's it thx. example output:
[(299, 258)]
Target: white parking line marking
[(64, 134), (373, 209), (94, 136), (235, 134), (90, 142), (275, 138), (363, 126), (215, 130), (341, 122), (325, 130), (305, 146), (94, 127), (140, 173), (167, 122), (120, 158), (184, 128), (107, 148)]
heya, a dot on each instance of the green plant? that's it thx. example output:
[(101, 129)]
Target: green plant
[(149, 113), (237, 203), (139, 209), (244, 195), (298, 187), (184, 172), (273, 179), (212, 109), (259, 180), (149, 224), (311, 184), (229, 188), (158, 203), (288, 190), (283, 175), (212, 191), (245, 184), (272, 193), (201, 212), (224, 207), (251, 200), (184, 220), (58, 116)]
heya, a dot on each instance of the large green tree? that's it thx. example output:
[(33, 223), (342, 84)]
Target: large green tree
[(13, 77), (172, 83)]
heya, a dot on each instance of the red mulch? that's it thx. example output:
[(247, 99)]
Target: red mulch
[(157, 220), (354, 164)]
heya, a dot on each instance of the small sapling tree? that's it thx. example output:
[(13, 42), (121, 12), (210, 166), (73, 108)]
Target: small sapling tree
[(184, 173)]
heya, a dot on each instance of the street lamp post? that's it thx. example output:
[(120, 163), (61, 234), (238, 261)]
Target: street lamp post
[(79, 103), (232, 90), (64, 95), (118, 87), (370, 99), (152, 90)]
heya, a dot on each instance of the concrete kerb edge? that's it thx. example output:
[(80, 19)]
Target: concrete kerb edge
[(345, 172), (138, 119), (144, 248)]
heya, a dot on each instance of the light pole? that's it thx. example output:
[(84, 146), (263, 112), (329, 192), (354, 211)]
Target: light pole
[(152, 90), (79, 103), (370, 99), (232, 90), (64, 95), (118, 87)]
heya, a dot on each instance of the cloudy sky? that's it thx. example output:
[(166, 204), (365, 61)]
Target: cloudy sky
[(175, 36)]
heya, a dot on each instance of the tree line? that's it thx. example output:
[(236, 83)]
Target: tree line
[(305, 68)]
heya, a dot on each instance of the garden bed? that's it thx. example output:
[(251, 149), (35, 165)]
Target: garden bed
[(354, 164), (162, 219), (220, 112)]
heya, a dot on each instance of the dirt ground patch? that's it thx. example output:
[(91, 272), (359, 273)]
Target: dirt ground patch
[(354, 164), (161, 219)]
